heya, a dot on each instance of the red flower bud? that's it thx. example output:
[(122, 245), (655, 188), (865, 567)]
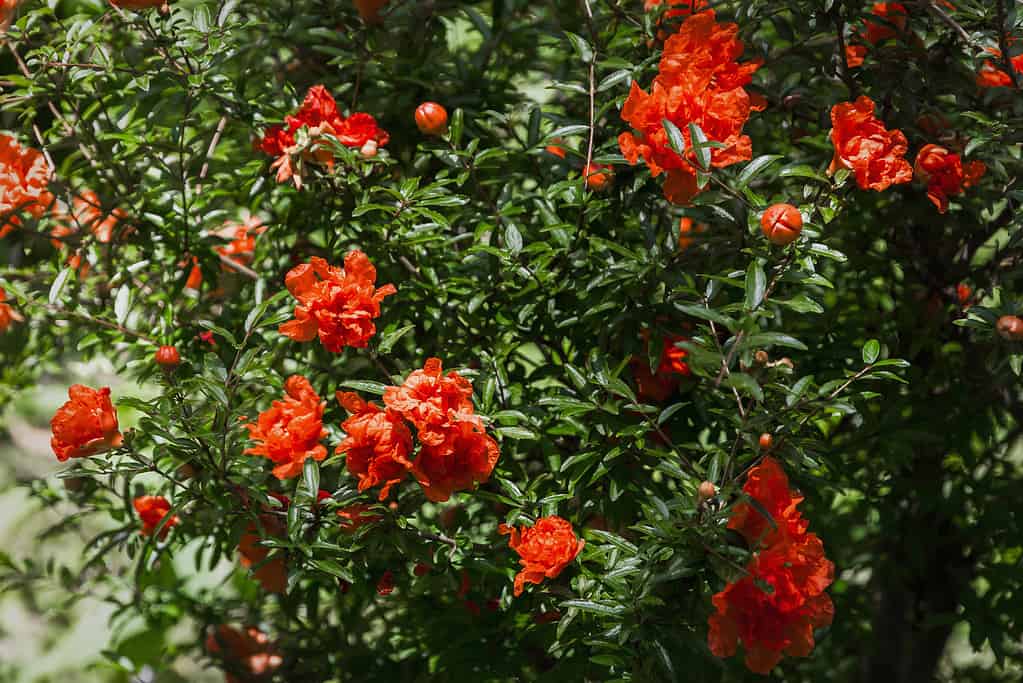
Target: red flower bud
[(598, 177), (1010, 327), (706, 491), (766, 441), (781, 224), (421, 569), (432, 118), (167, 357)]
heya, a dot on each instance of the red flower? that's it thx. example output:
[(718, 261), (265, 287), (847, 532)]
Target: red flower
[(139, 4), (8, 8), (779, 619), (990, 76), (545, 549), (944, 174), (290, 430), (660, 385), (337, 304), (152, 510), (320, 116), (769, 486), (893, 16), (385, 586), (377, 444), (863, 145), (699, 82), (242, 238), (433, 402), (855, 55), (466, 458), (369, 10), (246, 652), (598, 177), (357, 515), (85, 425), (963, 294), (7, 314), (271, 573), (87, 212), (779, 622), (679, 8), (24, 175)]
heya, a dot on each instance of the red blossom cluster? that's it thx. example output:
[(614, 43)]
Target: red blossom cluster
[(455, 453), (945, 174), (247, 654), (85, 425), (290, 430), (338, 305), (863, 145), (8, 315), (319, 116), (775, 607), (659, 385), (545, 549), (152, 510), (991, 76), (24, 179), (891, 23), (700, 81)]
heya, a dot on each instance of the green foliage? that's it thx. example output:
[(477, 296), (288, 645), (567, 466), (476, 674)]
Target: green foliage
[(894, 406)]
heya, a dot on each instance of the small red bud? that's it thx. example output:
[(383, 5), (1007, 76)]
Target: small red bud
[(766, 441), (1010, 327), (706, 491), (167, 357), (781, 224), (598, 177), (432, 118)]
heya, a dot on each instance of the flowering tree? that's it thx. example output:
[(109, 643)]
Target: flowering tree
[(608, 340)]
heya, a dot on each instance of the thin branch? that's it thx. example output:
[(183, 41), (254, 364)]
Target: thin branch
[(210, 150), (1003, 43)]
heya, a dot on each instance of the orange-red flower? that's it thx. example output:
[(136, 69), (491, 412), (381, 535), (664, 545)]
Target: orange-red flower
[(678, 8), (465, 458), (24, 174), (247, 653), (290, 430), (85, 425), (357, 515), (657, 386), (7, 314), (780, 622), (337, 304), (87, 212), (272, 574), (775, 607), (369, 10), (545, 549), (686, 229), (769, 486), (152, 510), (863, 145), (433, 402), (377, 444), (699, 82), (385, 586), (8, 8), (242, 236), (945, 174), (891, 23), (319, 115)]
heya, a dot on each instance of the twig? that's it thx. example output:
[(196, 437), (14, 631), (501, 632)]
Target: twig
[(947, 19), (234, 265), (102, 323), (210, 150), (593, 86)]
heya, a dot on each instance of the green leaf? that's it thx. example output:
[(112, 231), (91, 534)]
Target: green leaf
[(334, 569), (311, 476), (594, 607), (375, 388), (776, 339), (388, 340), (512, 239), (520, 433), (755, 167), (700, 146), (122, 303), (58, 284), (675, 138), (746, 384), (871, 351), (756, 284), (581, 47)]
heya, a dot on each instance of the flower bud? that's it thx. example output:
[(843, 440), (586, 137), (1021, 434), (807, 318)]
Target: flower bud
[(1010, 327), (167, 357), (761, 357), (781, 224), (766, 441), (596, 178), (369, 150), (432, 118), (706, 491)]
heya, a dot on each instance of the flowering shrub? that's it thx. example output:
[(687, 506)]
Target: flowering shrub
[(629, 340)]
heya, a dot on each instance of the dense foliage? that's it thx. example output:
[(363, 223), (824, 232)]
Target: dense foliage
[(659, 334)]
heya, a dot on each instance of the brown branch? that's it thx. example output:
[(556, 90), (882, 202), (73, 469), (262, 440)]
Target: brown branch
[(1003, 44)]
